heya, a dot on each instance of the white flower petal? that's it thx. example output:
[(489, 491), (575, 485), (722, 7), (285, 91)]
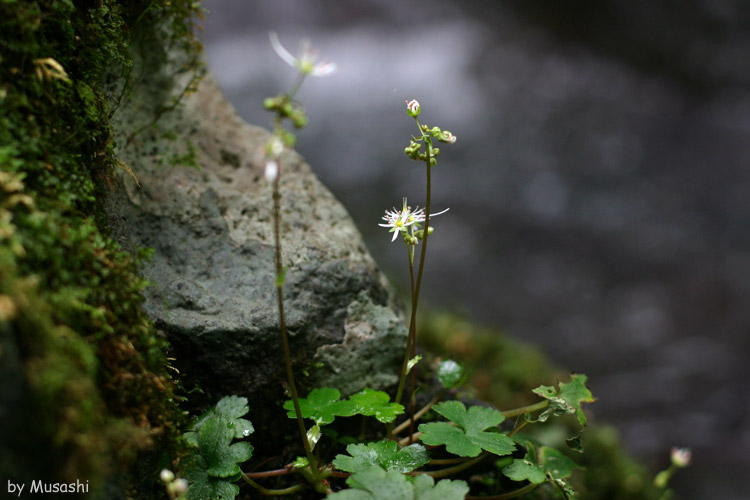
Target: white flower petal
[(281, 51), (324, 69)]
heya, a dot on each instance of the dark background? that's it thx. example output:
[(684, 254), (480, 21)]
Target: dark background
[(599, 191)]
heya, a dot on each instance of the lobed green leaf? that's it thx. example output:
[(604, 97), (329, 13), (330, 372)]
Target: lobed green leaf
[(385, 454), (376, 403), (322, 405), (567, 399), (468, 437), (375, 483), (231, 408)]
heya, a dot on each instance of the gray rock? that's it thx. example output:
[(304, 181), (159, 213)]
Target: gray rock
[(212, 270)]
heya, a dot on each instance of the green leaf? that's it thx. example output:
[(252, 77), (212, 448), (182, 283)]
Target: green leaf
[(567, 400), (523, 470), (556, 463), (468, 437), (450, 373), (413, 362), (322, 405), (376, 484), (376, 403), (426, 489), (202, 486), (214, 440), (234, 407), (385, 454), (300, 462), (230, 407)]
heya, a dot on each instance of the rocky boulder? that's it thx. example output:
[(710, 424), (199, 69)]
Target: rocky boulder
[(212, 270)]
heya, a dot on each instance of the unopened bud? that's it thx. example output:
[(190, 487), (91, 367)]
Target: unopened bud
[(180, 486), (447, 136), (681, 457), (272, 170), (413, 108), (166, 475)]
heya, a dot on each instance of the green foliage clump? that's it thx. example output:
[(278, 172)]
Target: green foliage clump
[(91, 365)]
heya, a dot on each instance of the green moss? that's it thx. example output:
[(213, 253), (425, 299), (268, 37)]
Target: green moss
[(93, 374), (503, 370)]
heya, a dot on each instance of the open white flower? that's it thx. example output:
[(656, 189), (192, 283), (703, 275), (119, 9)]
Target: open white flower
[(399, 220), (305, 63)]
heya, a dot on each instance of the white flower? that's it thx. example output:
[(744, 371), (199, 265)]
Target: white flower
[(305, 62), (681, 457), (272, 170), (399, 220)]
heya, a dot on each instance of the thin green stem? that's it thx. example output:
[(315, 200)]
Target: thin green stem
[(297, 84), (447, 461), (511, 494), (519, 425), (271, 473), (448, 471), (403, 425), (282, 327), (525, 409), (415, 296), (409, 439), (268, 491)]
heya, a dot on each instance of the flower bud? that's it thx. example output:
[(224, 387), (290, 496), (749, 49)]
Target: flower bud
[(180, 486), (270, 103), (272, 170), (447, 136), (681, 457), (413, 108), (166, 475), (274, 147)]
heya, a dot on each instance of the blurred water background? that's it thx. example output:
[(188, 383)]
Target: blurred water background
[(599, 191)]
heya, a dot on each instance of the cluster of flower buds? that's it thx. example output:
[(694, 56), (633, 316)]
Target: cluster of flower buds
[(286, 108), (175, 486), (413, 152)]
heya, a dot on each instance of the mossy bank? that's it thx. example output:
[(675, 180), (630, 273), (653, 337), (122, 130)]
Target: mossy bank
[(84, 384)]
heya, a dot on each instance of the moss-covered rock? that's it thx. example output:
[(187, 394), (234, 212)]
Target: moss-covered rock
[(85, 387)]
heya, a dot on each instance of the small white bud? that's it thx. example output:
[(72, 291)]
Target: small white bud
[(413, 108), (681, 457), (272, 170), (180, 486), (166, 475)]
